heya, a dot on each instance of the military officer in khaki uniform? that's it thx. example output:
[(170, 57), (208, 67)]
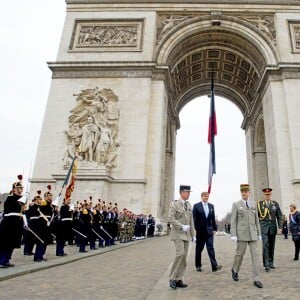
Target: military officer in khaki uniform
[(245, 230), (181, 221)]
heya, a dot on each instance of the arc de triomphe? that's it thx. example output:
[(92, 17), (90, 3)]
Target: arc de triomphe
[(125, 69)]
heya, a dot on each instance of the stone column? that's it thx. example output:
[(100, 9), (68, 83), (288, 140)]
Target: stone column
[(278, 142)]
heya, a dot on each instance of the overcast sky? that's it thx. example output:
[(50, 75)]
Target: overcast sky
[(31, 32)]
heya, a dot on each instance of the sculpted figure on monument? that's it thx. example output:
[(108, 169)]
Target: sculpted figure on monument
[(107, 35), (90, 135), (169, 22), (93, 132)]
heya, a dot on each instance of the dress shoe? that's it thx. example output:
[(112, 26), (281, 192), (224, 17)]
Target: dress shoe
[(173, 284), (296, 258), (27, 253), (180, 284), (37, 260), (4, 266), (235, 275), (217, 268), (258, 284), (272, 267), (198, 269), (10, 265), (267, 269), (61, 254)]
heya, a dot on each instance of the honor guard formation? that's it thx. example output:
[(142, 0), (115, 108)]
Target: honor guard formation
[(42, 222)]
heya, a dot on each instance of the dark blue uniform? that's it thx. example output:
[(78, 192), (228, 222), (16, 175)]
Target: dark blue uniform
[(64, 230), (11, 229)]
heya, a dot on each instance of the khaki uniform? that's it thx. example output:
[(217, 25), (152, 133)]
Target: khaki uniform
[(179, 216), (245, 226)]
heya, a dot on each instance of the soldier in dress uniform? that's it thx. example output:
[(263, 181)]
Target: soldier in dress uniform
[(181, 219), (115, 223), (270, 219), (85, 225), (64, 231), (11, 226), (46, 216), (32, 215)]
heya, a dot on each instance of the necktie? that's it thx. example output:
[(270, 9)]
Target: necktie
[(185, 205), (247, 204), (206, 209)]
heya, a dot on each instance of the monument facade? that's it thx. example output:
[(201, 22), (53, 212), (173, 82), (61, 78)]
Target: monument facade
[(125, 69)]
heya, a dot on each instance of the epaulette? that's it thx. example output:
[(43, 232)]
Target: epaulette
[(43, 202), (85, 211), (94, 211)]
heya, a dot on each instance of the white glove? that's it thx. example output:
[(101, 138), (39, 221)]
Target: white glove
[(234, 238), (186, 228), (259, 237), (194, 240), (72, 206), (25, 223)]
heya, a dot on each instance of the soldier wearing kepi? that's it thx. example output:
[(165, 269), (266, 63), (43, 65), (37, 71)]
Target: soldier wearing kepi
[(245, 230), (270, 219), (11, 226), (181, 219), (64, 226)]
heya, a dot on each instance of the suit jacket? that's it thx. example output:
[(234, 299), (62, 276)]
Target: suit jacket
[(244, 221), (204, 225), (178, 217)]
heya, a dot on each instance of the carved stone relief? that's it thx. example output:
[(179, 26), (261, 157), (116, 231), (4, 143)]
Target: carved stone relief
[(167, 22), (294, 28), (93, 129), (96, 35), (264, 23)]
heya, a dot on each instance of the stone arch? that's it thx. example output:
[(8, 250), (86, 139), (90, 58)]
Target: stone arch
[(236, 50)]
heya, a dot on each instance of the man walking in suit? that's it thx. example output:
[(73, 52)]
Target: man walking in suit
[(205, 226), (181, 220), (245, 230), (270, 219)]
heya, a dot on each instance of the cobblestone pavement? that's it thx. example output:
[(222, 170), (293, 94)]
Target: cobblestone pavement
[(139, 270)]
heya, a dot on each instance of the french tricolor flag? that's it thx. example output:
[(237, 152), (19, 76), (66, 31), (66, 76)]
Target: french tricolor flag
[(212, 131)]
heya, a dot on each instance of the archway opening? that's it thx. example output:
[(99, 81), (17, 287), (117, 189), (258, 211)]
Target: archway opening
[(192, 152)]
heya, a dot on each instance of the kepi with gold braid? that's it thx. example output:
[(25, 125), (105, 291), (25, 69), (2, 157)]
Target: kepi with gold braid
[(244, 187)]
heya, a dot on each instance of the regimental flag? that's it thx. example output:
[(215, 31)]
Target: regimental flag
[(212, 131), (70, 179)]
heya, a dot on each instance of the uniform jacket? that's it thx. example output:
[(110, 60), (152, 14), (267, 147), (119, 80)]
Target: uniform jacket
[(269, 217), (204, 225), (11, 227), (178, 216), (244, 221)]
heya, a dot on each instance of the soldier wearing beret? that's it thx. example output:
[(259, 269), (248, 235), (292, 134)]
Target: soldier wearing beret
[(181, 219), (270, 216)]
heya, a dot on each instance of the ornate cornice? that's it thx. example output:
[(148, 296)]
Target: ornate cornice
[(256, 2)]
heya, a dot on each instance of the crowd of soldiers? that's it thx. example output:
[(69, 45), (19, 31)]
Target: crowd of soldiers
[(43, 222)]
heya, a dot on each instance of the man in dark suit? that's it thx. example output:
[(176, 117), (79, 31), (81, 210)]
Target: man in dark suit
[(205, 226)]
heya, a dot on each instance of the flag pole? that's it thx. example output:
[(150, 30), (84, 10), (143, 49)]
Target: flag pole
[(212, 131), (66, 180)]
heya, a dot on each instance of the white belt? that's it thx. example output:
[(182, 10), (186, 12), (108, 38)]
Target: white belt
[(67, 219), (13, 214), (49, 217), (34, 218)]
